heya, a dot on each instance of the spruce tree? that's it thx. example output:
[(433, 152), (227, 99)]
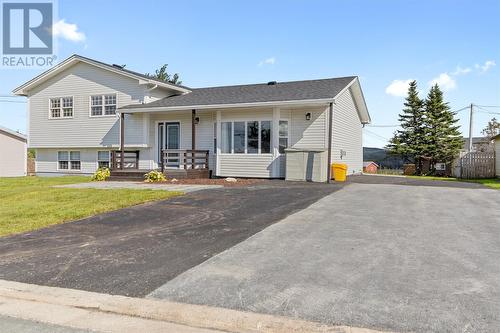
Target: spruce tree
[(442, 140), (409, 142)]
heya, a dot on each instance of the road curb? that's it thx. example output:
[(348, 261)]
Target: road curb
[(199, 316)]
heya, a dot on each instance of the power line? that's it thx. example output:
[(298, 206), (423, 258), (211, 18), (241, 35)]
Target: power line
[(462, 109), (376, 135), (5, 101), (488, 106), (369, 125), (483, 110)]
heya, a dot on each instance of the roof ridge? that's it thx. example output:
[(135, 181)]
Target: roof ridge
[(12, 132), (278, 82)]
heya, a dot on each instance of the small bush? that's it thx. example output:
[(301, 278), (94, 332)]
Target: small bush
[(101, 175), (154, 176)]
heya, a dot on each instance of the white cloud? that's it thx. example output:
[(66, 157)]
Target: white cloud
[(67, 31), (268, 61), (444, 81), (486, 67), (398, 88), (461, 71)]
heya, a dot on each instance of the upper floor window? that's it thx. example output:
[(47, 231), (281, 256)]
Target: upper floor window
[(102, 105), (61, 107)]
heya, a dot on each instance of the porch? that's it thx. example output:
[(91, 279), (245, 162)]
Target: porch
[(226, 142), (174, 163), (171, 159)]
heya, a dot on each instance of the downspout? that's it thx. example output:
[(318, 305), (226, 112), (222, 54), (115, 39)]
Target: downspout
[(330, 133)]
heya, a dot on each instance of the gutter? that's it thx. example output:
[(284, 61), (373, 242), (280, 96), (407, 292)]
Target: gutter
[(323, 101)]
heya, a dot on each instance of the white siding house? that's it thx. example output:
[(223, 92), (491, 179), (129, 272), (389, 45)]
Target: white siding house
[(80, 110), (13, 153)]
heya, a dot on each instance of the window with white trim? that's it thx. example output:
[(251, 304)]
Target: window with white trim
[(103, 158), (61, 107), (283, 136), (68, 160), (246, 137), (102, 105)]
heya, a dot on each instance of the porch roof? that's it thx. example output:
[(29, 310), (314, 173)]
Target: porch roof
[(321, 91)]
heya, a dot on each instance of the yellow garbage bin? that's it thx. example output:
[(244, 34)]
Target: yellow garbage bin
[(339, 172)]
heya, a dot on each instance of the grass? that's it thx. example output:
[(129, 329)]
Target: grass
[(390, 171), (31, 203), (489, 182), (435, 178)]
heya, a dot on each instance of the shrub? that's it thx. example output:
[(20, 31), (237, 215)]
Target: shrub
[(101, 174), (154, 176)]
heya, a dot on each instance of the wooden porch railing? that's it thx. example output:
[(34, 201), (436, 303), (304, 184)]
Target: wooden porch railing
[(184, 159), (130, 160)]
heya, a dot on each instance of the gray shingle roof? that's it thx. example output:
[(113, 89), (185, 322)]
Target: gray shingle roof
[(254, 93)]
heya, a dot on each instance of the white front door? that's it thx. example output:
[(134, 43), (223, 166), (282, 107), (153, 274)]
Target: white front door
[(169, 138)]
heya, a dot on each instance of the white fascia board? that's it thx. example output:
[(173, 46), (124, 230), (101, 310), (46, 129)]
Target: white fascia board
[(307, 102), (362, 105)]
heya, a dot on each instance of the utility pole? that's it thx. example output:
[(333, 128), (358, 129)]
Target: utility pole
[(470, 127)]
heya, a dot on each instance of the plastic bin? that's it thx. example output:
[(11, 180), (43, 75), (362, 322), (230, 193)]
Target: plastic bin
[(339, 172)]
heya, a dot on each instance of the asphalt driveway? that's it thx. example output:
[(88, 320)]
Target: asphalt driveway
[(381, 256), (135, 250)]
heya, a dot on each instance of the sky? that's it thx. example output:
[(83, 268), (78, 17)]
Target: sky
[(209, 43)]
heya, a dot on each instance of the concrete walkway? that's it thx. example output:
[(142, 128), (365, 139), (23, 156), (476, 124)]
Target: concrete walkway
[(141, 186), (388, 257)]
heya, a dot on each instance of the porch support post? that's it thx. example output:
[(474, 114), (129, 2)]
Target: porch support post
[(218, 142), (193, 129), (122, 139), (275, 142)]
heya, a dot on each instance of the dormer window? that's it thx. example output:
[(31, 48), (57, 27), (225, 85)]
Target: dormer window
[(102, 105), (61, 107)]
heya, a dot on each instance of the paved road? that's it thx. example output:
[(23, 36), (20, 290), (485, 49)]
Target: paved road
[(388, 257), (135, 250)]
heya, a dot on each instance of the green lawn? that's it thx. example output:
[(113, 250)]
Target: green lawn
[(490, 182), (30, 203)]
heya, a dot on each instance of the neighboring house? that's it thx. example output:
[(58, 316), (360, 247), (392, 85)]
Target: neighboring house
[(370, 167), (497, 154), (479, 144), (84, 114), (13, 153)]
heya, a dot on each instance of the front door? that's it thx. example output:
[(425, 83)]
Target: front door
[(169, 138)]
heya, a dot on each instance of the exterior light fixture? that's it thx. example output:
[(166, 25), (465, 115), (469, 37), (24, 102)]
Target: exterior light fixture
[(196, 120), (308, 116)]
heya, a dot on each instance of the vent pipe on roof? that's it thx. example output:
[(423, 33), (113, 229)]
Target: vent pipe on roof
[(272, 83)]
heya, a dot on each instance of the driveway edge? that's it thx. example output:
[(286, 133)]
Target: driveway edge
[(199, 316)]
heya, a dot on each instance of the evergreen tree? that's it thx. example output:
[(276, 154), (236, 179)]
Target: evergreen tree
[(162, 75), (409, 142), (442, 140)]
